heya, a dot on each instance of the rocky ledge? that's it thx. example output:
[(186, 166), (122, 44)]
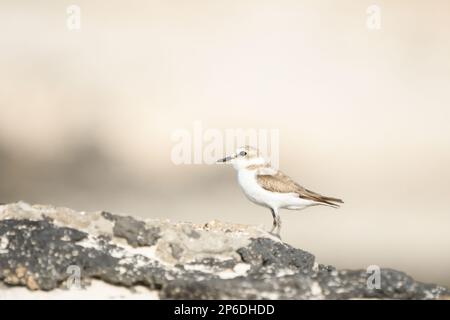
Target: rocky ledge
[(58, 253)]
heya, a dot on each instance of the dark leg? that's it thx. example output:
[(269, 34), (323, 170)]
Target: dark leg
[(278, 226), (276, 222), (274, 216)]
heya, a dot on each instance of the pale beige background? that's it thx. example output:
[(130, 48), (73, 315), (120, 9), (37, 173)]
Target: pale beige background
[(86, 117)]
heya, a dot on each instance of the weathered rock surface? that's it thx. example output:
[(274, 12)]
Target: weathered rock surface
[(49, 252)]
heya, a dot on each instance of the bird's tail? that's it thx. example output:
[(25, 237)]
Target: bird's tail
[(330, 201)]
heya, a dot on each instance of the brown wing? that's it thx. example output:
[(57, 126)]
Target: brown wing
[(280, 182)]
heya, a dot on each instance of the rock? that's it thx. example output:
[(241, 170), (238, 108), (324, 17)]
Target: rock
[(50, 252)]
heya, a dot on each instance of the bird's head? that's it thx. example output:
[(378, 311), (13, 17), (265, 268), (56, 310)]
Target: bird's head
[(244, 157)]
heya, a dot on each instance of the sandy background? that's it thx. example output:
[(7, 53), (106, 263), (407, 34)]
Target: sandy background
[(86, 117)]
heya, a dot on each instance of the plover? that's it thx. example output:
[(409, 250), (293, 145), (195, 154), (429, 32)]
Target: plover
[(271, 188)]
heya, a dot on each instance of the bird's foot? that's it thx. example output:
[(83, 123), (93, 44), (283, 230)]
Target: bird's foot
[(275, 234)]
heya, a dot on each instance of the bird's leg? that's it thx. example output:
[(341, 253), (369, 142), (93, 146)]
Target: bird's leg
[(278, 226), (276, 222), (274, 216)]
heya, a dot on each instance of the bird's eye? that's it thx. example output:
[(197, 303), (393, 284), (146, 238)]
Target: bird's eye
[(243, 153)]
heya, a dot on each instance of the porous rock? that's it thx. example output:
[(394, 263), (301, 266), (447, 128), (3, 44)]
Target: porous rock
[(52, 252)]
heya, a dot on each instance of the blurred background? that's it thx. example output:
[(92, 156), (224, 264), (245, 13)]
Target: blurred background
[(86, 116)]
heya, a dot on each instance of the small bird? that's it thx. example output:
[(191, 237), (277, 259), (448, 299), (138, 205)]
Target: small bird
[(271, 188)]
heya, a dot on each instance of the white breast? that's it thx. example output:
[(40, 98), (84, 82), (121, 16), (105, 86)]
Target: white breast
[(248, 183)]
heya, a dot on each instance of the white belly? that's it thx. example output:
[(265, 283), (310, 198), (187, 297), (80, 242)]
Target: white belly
[(257, 194)]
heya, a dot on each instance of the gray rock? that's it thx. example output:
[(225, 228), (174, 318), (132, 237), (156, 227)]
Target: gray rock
[(123, 257), (134, 231)]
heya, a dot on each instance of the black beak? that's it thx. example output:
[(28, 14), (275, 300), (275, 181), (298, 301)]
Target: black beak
[(226, 159)]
